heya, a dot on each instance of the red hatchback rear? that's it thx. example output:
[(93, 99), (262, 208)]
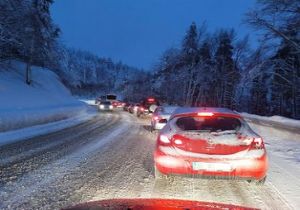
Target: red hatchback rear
[(211, 142)]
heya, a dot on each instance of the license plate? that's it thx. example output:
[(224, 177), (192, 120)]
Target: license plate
[(211, 166)]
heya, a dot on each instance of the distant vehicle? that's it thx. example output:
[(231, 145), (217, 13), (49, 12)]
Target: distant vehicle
[(148, 106), (130, 108), (105, 106), (211, 142), (134, 108), (107, 97), (126, 106), (118, 104), (161, 116)]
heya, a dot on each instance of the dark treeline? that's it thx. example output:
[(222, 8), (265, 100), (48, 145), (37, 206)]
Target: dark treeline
[(221, 71)]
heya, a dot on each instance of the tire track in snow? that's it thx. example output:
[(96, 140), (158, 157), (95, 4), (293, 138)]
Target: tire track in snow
[(67, 143), (44, 143), (128, 180), (41, 178)]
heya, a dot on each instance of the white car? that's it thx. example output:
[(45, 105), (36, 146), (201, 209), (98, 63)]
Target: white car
[(105, 106), (161, 116)]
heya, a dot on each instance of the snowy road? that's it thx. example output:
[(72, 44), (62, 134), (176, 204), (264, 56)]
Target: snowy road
[(110, 156)]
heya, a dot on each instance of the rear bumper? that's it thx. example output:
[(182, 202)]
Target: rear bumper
[(238, 168)]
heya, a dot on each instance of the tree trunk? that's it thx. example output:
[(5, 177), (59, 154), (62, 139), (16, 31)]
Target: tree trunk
[(28, 73)]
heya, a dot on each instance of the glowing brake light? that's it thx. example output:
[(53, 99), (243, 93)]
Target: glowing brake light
[(151, 99), (205, 114), (164, 139)]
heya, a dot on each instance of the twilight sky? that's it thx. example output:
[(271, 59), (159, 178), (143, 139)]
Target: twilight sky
[(138, 31)]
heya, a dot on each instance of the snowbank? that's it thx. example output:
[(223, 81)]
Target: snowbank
[(45, 100), (274, 120), (88, 101), (9, 137)]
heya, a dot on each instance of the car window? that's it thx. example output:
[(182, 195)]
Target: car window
[(208, 123)]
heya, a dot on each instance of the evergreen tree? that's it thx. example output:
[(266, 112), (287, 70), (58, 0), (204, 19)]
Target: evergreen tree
[(190, 58), (226, 73)]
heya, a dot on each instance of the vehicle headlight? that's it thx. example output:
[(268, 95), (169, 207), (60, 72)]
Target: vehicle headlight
[(110, 106), (101, 106)]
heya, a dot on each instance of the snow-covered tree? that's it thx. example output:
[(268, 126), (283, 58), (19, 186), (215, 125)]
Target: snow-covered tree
[(227, 75)]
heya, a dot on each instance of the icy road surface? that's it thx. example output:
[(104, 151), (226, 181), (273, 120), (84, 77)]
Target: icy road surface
[(110, 156)]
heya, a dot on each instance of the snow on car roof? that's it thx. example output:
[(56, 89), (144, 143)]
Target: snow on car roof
[(192, 110)]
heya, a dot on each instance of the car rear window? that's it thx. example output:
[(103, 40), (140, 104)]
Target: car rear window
[(211, 124)]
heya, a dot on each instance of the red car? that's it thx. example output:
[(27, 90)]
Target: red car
[(118, 104), (210, 142)]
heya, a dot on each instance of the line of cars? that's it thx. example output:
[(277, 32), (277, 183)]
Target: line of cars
[(206, 142), (108, 103), (145, 108)]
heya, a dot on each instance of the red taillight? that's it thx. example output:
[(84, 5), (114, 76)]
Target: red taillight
[(142, 109), (163, 139), (257, 143), (151, 99)]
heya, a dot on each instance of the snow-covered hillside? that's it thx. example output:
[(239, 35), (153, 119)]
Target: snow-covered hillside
[(45, 100)]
